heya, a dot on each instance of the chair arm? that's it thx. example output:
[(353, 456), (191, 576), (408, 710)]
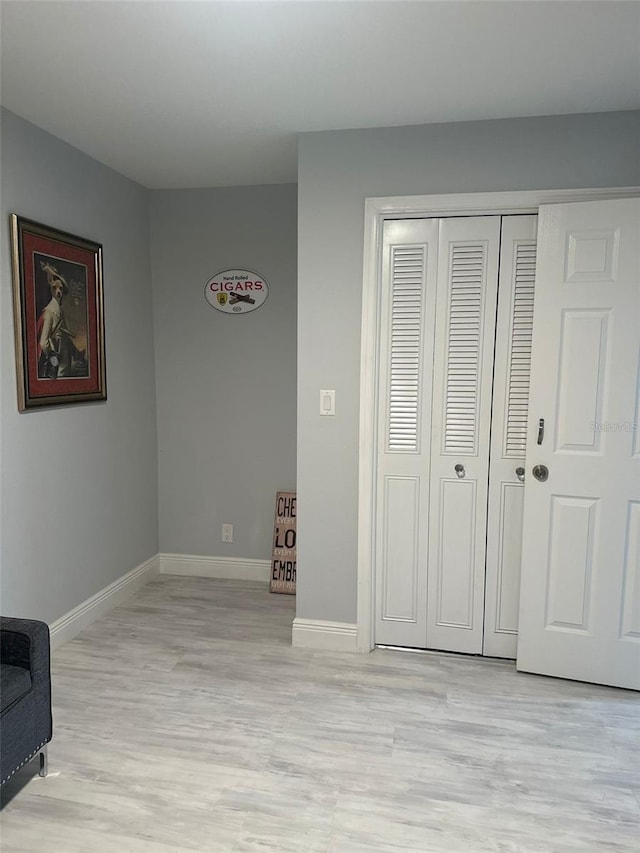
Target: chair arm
[(25, 643), (27, 724)]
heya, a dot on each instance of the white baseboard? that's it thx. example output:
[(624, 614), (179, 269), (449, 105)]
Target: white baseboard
[(328, 636), (65, 628), (233, 568)]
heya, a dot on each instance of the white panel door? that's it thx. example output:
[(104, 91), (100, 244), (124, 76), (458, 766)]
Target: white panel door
[(580, 585), (512, 367), (460, 423), (408, 275)]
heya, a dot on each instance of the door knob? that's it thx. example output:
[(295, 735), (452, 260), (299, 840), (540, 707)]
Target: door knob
[(520, 474), (459, 469), (540, 472)]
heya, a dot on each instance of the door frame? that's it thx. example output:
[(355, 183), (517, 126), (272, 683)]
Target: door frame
[(376, 210)]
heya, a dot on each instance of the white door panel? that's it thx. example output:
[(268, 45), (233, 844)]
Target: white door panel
[(579, 612), (409, 258), (400, 558), (512, 367), (457, 564), (463, 365), (631, 575)]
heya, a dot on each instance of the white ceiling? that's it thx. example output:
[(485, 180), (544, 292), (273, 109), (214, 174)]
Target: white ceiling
[(188, 94)]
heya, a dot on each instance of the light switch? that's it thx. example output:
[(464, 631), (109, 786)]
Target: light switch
[(327, 402)]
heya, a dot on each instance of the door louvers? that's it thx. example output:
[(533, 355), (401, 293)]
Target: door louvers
[(520, 352), (405, 351), (464, 345)]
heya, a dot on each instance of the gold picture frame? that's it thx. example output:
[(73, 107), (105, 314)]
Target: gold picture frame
[(58, 316)]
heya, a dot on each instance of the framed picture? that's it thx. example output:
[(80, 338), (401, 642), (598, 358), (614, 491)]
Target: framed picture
[(58, 314)]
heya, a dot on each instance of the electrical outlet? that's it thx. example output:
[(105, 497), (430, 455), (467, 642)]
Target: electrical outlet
[(227, 532)]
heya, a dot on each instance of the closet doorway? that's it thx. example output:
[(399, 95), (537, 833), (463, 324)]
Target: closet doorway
[(454, 359), (578, 614)]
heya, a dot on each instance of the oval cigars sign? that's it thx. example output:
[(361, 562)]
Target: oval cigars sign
[(236, 291)]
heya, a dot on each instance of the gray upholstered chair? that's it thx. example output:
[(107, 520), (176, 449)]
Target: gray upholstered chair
[(25, 694)]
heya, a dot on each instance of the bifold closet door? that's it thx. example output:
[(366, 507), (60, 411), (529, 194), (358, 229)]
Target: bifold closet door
[(460, 428), (512, 369), (407, 301)]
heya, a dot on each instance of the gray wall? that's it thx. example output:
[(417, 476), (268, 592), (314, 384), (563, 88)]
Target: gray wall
[(337, 171), (79, 483), (226, 385)]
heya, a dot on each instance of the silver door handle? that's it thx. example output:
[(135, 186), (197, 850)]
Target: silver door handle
[(459, 469), (540, 472), (520, 474)]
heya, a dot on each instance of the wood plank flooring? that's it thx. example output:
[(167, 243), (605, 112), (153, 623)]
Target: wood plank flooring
[(185, 721)]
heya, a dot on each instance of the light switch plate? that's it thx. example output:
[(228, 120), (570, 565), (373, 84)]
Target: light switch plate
[(327, 402)]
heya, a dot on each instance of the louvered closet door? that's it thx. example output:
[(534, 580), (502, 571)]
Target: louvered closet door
[(404, 393), (512, 370), (463, 367)]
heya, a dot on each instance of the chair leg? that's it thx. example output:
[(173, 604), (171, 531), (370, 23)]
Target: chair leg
[(44, 762)]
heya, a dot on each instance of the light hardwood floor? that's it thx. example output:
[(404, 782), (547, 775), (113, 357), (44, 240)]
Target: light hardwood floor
[(185, 721)]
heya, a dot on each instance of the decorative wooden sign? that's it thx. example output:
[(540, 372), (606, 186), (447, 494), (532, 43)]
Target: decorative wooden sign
[(283, 559)]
